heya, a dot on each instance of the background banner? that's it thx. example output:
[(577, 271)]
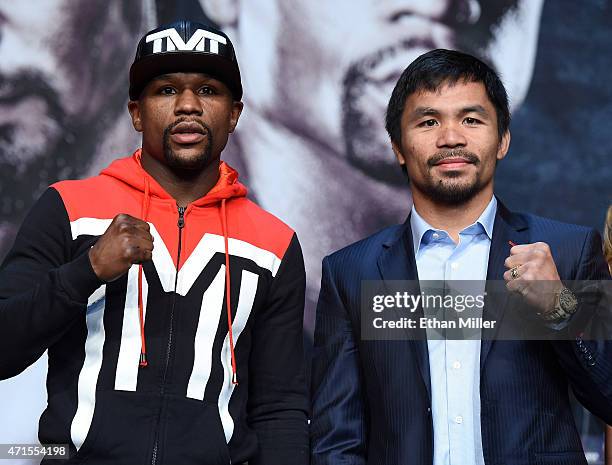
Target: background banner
[(311, 144)]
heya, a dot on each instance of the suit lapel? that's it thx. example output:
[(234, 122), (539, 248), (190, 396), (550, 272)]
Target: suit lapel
[(397, 263), (507, 227)]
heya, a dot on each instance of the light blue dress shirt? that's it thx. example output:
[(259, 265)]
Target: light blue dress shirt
[(455, 365)]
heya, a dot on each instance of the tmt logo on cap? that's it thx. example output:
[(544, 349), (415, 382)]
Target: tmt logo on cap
[(197, 42), (185, 47)]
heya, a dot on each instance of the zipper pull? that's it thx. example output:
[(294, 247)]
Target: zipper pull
[(181, 218)]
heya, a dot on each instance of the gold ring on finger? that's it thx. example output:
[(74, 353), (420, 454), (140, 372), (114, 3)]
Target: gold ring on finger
[(514, 272)]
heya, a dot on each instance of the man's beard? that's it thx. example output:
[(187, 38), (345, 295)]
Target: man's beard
[(445, 191), (56, 148), (192, 166)]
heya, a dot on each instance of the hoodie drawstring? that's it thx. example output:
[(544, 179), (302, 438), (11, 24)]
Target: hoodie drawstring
[(228, 302), (144, 213), (143, 348)]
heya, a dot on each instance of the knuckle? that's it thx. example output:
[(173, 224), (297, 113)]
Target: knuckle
[(128, 252), (124, 227), (127, 247)]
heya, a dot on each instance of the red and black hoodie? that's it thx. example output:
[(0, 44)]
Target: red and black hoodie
[(211, 392)]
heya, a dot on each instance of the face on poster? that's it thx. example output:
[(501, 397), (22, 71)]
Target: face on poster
[(62, 81)]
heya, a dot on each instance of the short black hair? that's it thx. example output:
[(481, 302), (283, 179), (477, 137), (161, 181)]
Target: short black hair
[(439, 67)]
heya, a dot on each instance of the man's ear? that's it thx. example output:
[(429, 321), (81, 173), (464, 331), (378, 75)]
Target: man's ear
[(235, 114), (398, 154), (504, 145), (134, 110), (222, 12)]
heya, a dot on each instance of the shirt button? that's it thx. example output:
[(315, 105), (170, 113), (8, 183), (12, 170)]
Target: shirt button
[(458, 419), (435, 235), (454, 265), (456, 364)]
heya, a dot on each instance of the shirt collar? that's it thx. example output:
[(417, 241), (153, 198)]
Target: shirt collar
[(487, 217), (485, 221)]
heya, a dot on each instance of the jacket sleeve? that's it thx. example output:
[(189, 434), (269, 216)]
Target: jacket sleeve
[(338, 429), (42, 288), (588, 363), (278, 402)]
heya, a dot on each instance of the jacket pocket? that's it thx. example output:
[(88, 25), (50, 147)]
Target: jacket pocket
[(560, 458), (121, 432), (193, 433), (79, 427)]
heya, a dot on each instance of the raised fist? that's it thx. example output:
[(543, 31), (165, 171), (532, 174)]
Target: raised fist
[(533, 273), (126, 241)]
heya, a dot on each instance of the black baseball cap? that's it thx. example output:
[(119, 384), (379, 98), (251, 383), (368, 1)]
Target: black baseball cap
[(185, 46)]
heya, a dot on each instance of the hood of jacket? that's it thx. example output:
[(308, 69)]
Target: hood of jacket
[(129, 170)]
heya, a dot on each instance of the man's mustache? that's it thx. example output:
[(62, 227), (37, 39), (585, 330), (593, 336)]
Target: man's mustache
[(359, 71), (470, 157), (16, 87), (205, 127)]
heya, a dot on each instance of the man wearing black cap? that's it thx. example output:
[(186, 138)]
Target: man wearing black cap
[(170, 304)]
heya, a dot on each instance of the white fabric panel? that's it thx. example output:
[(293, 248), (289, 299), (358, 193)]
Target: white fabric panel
[(209, 245), (248, 288), (210, 314), (88, 377), (126, 376)]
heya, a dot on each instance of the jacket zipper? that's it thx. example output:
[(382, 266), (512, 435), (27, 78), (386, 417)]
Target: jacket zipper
[(181, 225)]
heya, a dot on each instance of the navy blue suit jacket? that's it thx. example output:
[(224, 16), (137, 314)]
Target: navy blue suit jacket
[(372, 399)]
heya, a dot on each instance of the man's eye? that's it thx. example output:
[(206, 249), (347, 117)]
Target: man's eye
[(167, 90), (471, 121), (207, 90), (429, 123)]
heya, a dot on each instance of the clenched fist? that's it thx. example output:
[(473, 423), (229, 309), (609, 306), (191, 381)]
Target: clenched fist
[(535, 274), (126, 241)]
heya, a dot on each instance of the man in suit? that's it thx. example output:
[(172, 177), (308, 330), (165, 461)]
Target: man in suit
[(440, 401)]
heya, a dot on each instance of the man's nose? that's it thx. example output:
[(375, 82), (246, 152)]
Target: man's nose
[(447, 11), (188, 102), (450, 137)]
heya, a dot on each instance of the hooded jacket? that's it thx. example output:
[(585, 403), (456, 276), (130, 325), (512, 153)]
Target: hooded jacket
[(211, 392)]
